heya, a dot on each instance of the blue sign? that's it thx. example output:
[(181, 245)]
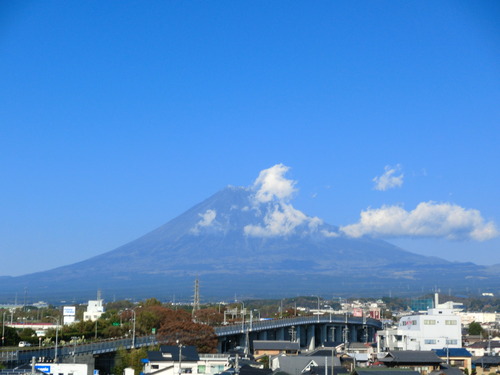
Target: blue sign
[(44, 368), (96, 372)]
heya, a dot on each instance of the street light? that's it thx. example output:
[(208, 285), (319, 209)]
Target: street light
[(318, 307), (74, 338), (242, 316), (57, 337), (3, 328), (133, 326)]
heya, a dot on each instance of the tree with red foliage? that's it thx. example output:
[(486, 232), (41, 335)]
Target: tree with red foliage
[(178, 327)]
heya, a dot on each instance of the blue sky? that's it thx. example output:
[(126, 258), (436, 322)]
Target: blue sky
[(118, 116)]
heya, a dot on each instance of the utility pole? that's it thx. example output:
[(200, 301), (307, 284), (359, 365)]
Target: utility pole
[(180, 357), (196, 299)]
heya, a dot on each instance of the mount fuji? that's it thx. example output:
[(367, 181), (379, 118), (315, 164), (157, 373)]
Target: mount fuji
[(253, 243)]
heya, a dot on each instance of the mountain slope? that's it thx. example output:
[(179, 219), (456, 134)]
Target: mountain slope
[(236, 243)]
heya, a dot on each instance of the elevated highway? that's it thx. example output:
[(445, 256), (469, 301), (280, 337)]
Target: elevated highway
[(308, 331)]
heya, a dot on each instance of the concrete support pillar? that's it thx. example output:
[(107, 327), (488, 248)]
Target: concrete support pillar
[(354, 334), (263, 335), (299, 335), (280, 334), (311, 337), (242, 340), (332, 332), (323, 333)]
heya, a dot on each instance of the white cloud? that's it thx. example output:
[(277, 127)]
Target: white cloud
[(272, 194), (281, 220), (428, 219), (328, 233), (271, 184), (207, 219), (389, 180)]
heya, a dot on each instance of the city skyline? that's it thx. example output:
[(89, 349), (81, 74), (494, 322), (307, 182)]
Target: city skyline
[(118, 117)]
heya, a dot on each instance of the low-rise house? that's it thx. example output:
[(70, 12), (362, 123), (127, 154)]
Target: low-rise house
[(302, 364), (362, 353), (247, 370), (383, 371), (482, 348), (174, 360), (456, 357), (422, 361), (447, 371), (486, 364), (268, 347)]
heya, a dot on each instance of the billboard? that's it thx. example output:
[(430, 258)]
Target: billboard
[(69, 310), (357, 312), (375, 314)]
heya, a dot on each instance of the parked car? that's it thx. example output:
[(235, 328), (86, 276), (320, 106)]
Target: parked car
[(23, 344)]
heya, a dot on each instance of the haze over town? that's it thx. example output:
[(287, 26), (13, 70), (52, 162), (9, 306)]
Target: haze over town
[(380, 118)]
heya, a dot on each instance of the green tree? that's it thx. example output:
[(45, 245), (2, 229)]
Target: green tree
[(11, 337), (475, 329), (264, 360), (135, 359), (149, 317), (151, 302), (28, 335), (132, 358), (121, 361)]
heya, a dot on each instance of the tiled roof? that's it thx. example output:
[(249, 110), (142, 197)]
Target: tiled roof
[(294, 365), (275, 345), (320, 370), (447, 371), (321, 352), (486, 360), (384, 371), (411, 356), (189, 353), (485, 344), (452, 352)]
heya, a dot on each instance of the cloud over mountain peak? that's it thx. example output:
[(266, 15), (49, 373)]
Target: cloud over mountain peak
[(265, 210), (274, 191)]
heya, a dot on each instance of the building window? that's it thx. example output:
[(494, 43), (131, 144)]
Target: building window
[(429, 341), (155, 367), (202, 369), (429, 322), (451, 342), (450, 322)]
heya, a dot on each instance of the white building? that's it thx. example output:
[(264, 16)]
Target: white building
[(172, 360), (479, 317), (63, 368), (94, 309), (438, 329)]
